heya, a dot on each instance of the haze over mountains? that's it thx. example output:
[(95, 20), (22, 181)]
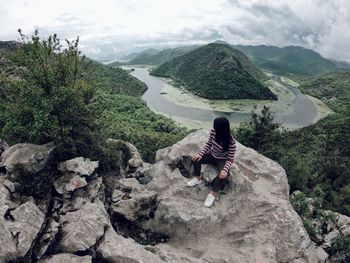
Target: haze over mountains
[(290, 59)]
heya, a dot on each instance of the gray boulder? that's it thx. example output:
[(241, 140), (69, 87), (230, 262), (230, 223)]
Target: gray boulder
[(24, 158), (78, 166), (69, 183), (252, 222), (66, 258), (132, 200), (115, 248), (82, 228), (19, 226)]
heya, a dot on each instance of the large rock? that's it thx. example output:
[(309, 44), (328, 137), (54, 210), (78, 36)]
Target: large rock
[(25, 158), (19, 227), (81, 229), (8, 249), (253, 222), (132, 200), (115, 248), (78, 166), (69, 183), (65, 258)]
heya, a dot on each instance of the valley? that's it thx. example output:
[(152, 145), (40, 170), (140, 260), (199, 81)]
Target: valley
[(192, 111)]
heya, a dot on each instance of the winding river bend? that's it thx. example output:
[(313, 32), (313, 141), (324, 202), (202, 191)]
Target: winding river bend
[(303, 111)]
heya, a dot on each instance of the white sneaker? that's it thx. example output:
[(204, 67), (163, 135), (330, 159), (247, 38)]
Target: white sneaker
[(195, 181), (209, 200)]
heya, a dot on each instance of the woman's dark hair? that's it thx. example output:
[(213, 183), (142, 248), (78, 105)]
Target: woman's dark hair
[(223, 133)]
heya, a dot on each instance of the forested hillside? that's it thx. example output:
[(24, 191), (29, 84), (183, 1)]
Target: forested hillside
[(48, 93), (332, 88), (217, 71), (288, 60)]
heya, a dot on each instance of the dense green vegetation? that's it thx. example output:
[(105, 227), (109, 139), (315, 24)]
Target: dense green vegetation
[(114, 80), (316, 157), (47, 100), (288, 60), (217, 71), (332, 88), (55, 94)]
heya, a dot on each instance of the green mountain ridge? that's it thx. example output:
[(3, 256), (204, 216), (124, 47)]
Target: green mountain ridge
[(288, 60), (295, 60), (161, 56), (133, 55), (332, 88), (217, 71)]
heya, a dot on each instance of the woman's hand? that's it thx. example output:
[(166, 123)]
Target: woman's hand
[(197, 157), (222, 174)]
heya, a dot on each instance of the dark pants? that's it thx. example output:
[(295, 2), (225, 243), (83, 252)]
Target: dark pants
[(208, 158)]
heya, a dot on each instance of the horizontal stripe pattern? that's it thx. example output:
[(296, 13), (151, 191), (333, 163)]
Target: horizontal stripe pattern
[(216, 150)]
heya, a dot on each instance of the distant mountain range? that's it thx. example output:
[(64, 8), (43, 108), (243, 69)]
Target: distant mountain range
[(217, 71), (161, 56), (293, 60), (8, 45), (133, 55)]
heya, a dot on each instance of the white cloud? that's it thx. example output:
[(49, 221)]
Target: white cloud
[(112, 26)]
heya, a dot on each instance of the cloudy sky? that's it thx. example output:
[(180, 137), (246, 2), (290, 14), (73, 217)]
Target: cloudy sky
[(110, 27)]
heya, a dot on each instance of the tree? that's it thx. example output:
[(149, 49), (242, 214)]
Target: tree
[(48, 101), (260, 132)]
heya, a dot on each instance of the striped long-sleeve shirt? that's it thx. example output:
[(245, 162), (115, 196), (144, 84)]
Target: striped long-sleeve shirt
[(217, 151)]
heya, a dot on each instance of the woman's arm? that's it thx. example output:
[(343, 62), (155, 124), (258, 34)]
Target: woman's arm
[(230, 156), (209, 143)]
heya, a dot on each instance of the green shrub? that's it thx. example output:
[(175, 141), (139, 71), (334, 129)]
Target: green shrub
[(341, 247), (36, 185), (49, 100)]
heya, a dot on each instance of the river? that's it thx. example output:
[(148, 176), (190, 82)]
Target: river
[(303, 109)]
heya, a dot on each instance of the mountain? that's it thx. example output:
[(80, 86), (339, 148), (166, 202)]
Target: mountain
[(291, 59), (133, 55), (217, 71), (333, 88), (161, 56), (8, 45), (341, 64)]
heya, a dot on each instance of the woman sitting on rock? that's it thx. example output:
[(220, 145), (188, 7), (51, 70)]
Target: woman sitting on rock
[(220, 151)]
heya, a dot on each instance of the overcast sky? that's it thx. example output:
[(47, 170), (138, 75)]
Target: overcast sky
[(114, 26)]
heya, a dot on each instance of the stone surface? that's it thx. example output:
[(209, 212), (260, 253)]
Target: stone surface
[(132, 200), (66, 258), (19, 226), (115, 248), (79, 166), (47, 238), (253, 222), (25, 158), (8, 249), (11, 186), (69, 183), (82, 228), (343, 224), (28, 220)]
